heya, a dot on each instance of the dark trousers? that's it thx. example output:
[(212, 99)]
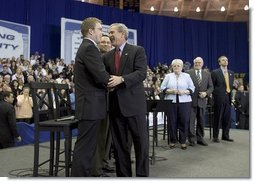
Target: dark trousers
[(222, 112), (6, 144), (197, 121), (121, 127), (103, 147), (85, 148), (179, 117)]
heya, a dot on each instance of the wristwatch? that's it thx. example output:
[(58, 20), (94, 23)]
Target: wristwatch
[(122, 79)]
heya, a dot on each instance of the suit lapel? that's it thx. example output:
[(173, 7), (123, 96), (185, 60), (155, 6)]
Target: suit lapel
[(222, 75), (195, 76), (124, 57), (112, 63), (231, 78)]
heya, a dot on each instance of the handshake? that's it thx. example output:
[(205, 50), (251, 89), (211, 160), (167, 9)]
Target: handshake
[(114, 81)]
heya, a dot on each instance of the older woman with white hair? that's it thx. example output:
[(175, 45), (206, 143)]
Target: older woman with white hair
[(177, 86)]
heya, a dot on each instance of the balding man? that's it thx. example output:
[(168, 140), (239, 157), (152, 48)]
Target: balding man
[(204, 87)]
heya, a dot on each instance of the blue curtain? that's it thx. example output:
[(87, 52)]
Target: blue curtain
[(164, 38)]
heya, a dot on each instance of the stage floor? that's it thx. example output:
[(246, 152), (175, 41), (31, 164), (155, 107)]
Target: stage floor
[(217, 160)]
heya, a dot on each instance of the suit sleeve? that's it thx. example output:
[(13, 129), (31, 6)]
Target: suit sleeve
[(12, 122), (210, 85)]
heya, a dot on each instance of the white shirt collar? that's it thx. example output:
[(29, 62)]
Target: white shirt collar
[(92, 41)]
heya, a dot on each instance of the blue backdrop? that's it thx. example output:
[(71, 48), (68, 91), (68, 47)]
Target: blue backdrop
[(164, 38)]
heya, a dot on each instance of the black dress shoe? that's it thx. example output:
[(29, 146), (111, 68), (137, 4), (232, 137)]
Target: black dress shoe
[(216, 140), (202, 142), (183, 146), (108, 169), (228, 139), (192, 144), (172, 146), (101, 175)]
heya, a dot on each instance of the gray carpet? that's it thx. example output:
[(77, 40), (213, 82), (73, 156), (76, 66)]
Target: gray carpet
[(218, 160)]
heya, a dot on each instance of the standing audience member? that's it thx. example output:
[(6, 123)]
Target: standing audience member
[(24, 106), (101, 158), (127, 105), (223, 85), (203, 88), (178, 87), (91, 81), (8, 131)]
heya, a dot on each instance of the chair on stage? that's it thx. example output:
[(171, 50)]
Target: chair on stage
[(46, 118), (68, 123)]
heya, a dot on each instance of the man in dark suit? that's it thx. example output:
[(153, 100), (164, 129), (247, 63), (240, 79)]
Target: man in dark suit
[(203, 88), (91, 81), (8, 132), (223, 84), (127, 104), (104, 140)]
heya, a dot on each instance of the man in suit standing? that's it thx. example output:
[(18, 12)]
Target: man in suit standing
[(127, 104), (203, 88), (223, 84), (104, 139), (91, 81), (8, 132)]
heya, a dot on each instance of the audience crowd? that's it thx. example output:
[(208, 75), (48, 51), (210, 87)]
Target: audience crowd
[(17, 73)]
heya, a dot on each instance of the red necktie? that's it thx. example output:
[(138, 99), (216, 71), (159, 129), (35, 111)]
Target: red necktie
[(117, 60)]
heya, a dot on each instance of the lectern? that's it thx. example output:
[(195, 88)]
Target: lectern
[(156, 106)]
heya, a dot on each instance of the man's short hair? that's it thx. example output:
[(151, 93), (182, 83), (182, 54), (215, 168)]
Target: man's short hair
[(6, 94), (89, 23)]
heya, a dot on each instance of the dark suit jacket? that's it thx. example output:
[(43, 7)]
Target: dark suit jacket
[(91, 81), (8, 130), (206, 85), (133, 67), (219, 85)]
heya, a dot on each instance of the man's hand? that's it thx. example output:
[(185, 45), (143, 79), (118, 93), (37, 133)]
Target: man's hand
[(19, 138), (202, 94), (114, 81)]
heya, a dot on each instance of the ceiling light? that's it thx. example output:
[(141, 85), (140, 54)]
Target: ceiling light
[(152, 8), (222, 8), (175, 9), (198, 9), (246, 7)]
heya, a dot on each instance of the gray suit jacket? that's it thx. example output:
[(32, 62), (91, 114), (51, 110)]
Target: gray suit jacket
[(206, 85)]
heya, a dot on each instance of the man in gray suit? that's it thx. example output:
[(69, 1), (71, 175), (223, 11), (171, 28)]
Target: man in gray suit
[(204, 87)]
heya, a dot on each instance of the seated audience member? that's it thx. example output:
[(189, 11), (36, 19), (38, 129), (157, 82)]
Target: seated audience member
[(8, 131), (24, 111)]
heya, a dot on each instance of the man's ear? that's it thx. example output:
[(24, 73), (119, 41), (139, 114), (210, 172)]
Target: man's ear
[(90, 31)]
